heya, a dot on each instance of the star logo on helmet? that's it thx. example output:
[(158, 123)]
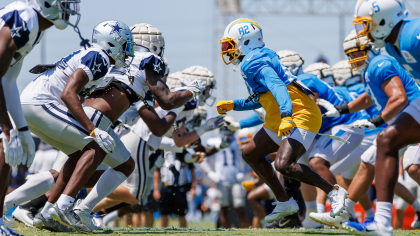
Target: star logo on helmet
[(96, 68), (15, 31), (116, 29), (157, 68)]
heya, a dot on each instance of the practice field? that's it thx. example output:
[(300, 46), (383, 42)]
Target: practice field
[(200, 231)]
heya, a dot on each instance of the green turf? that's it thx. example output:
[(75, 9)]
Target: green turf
[(200, 231)]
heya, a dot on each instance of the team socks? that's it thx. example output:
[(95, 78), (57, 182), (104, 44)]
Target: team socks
[(44, 211), (36, 203), (320, 208), (383, 213), (370, 213), (64, 201)]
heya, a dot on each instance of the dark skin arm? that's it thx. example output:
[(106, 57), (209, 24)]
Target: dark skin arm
[(167, 100), (394, 89), (186, 137), (77, 80), (158, 126), (7, 50), (360, 103)]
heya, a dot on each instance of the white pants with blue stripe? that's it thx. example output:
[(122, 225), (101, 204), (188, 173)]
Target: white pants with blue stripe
[(55, 125)]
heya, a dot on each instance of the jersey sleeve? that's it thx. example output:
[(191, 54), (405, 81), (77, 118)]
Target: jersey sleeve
[(310, 84), (94, 65), (191, 104), (241, 105), (384, 71), (269, 78), (250, 121), (154, 63), (18, 28)]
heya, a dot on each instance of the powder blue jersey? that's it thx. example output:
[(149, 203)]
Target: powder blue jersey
[(263, 72), (380, 69), (327, 93), (408, 55)]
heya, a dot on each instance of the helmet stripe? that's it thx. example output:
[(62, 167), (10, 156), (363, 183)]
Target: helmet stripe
[(244, 21), (360, 3)]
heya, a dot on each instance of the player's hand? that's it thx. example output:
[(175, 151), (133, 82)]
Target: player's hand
[(224, 106), (13, 151), (232, 124), (28, 147), (248, 185), (261, 113), (156, 194), (211, 124), (286, 126), (239, 177), (103, 139), (331, 110), (192, 193), (213, 176), (363, 124), (196, 87)]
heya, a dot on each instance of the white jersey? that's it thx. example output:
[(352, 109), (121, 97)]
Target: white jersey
[(227, 162), (47, 88), (140, 61), (24, 28)]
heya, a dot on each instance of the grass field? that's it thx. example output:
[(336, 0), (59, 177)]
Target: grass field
[(20, 228)]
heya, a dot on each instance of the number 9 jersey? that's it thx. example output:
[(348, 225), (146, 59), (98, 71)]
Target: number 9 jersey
[(380, 69)]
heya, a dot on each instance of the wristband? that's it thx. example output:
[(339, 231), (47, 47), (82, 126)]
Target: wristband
[(343, 108), (377, 120), (200, 131), (93, 131)]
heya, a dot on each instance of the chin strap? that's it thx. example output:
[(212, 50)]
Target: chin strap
[(85, 42)]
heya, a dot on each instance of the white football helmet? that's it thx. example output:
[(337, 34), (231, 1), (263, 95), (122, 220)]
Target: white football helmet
[(116, 39), (165, 76), (239, 38), (57, 11), (205, 75), (322, 71), (352, 46), (148, 36), (292, 60), (244, 136), (173, 80), (377, 18), (344, 75)]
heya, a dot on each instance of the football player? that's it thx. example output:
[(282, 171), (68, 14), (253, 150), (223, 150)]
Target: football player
[(292, 120), (22, 26), (391, 89)]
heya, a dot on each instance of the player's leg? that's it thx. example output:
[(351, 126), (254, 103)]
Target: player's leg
[(254, 154), (224, 197), (262, 192), (4, 176), (394, 137), (238, 199)]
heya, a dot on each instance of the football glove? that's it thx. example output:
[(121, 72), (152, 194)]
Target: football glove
[(196, 87), (363, 124), (13, 151), (286, 126), (331, 109), (103, 139), (214, 176), (224, 106), (248, 185), (211, 124), (28, 147), (231, 124)]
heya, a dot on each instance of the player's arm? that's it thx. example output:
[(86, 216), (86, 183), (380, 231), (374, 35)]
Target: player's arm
[(395, 91), (7, 50), (360, 103), (77, 80), (269, 78), (158, 126), (193, 180), (156, 180), (168, 100), (236, 105)]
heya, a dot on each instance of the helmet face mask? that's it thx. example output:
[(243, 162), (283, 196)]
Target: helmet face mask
[(364, 26), (229, 51), (357, 58)]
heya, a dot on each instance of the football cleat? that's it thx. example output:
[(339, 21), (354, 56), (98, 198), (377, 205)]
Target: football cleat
[(25, 216), (369, 227), (68, 218), (326, 219), (337, 198), (282, 209), (49, 223)]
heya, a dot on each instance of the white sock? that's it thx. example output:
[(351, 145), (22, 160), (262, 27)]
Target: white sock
[(263, 224), (370, 213), (383, 213), (36, 186), (64, 201), (350, 207), (310, 207), (1, 221), (416, 206), (110, 217), (44, 211), (108, 182), (320, 208)]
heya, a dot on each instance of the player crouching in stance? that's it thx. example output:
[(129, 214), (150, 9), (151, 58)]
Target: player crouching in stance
[(395, 94), (292, 118), (22, 26)]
